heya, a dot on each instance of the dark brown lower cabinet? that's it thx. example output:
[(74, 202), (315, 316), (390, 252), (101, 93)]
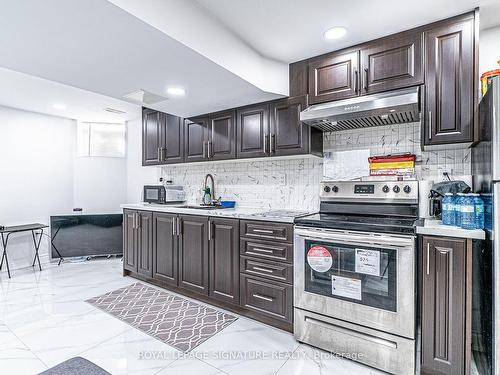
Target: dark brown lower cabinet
[(193, 253), (129, 241), (446, 305), (137, 242), (224, 260), (145, 243), (165, 248), (273, 299)]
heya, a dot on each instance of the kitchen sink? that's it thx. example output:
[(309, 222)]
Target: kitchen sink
[(203, 207)]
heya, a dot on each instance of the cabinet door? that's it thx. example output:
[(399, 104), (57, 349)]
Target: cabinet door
[(193, 253), (288, 135), (443, 305), (222, 136), (145, 244), (174, 139), (165, 248), (393, 62), (449, 88), (253, 131), (334, 77), (129, 240), (224, 260), (152, 137), (195, 139)]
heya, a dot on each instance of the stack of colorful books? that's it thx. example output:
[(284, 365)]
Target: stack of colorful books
[(392, 165)]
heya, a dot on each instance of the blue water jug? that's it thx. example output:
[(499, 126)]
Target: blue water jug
[(448, 209), (458, 204), (478, 211), (467, 213)]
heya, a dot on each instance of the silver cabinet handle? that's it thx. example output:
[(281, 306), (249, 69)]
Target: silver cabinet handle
[(173, 226), (159, 154), (430, 125), (263, 231), (366, 79), (209, 230), (262, 250), (260, 296), (163, 153), (263, 269), (138, 221), (179, 226), (271, 144), (133, 220), (266, 142), (203, 151), (356, 81), (428, 254), (209, 149)]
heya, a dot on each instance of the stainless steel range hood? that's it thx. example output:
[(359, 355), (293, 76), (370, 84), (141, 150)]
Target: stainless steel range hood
[(384, 108)]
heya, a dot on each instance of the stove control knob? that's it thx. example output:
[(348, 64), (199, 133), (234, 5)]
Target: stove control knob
[(326, 189), (396, 189), (335, 189), (386, 189), (407, 189)]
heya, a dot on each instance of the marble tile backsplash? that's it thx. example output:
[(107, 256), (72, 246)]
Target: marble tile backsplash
[(293, 183)]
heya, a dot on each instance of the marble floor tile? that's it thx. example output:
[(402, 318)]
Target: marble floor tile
[(248, 347), (190, 366), (132, 352)]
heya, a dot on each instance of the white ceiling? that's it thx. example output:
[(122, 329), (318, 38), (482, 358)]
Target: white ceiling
[(19, 90), (97, 46), (291, 30)]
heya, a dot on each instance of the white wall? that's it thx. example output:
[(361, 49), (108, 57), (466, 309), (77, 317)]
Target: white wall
[(100, 184), (40, 175), (36, 174), (489, 49), (137, 175)]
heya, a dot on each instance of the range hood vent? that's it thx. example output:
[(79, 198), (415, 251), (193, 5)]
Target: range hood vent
[(393, 107)]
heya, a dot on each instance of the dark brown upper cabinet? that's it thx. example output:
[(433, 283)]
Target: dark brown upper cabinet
[(174, 139), (224, 260), (222, 136), (333, 77), (165, 248), (445, 305), (289, 136), (152, 137), (193, 253), (450, 93), (195, 139), (253, 137), (392, 63)]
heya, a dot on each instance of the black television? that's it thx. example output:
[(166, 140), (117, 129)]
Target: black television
[(81, 235)]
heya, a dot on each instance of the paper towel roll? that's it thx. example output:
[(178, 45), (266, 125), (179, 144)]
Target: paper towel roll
[(424, 188)]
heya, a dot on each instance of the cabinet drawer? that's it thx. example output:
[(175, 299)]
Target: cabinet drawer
[(267, 250), (267, 230), (271, 270), (267, 297)]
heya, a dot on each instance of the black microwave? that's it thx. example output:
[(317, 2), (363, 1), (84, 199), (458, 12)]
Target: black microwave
[(154, 194)]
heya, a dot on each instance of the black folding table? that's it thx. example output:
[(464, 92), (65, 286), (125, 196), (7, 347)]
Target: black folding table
[(33, 228)]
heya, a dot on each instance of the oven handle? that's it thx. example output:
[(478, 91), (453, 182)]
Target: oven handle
[(356, 238)]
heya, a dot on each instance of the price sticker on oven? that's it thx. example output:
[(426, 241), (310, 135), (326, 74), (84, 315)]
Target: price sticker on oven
[(319, 258), (368, 262)]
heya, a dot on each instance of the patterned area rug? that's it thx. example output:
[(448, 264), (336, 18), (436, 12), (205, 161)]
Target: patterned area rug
[(174, 320)]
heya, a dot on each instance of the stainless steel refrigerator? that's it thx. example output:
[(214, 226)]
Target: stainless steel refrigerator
[(486, 262)]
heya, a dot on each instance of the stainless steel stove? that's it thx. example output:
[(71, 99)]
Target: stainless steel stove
[(354, 273)]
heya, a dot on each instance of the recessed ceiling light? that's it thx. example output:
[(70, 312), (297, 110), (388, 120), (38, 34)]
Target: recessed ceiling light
[(176, 91), (336, 32), (60, 106)]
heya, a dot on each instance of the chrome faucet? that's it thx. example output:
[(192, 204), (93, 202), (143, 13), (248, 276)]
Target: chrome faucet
[(212, 189)]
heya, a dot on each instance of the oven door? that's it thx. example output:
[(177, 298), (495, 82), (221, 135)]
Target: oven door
[(363, 278)]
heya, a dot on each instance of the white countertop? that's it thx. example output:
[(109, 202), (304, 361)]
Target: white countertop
[(434, 227), (259, 214)]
